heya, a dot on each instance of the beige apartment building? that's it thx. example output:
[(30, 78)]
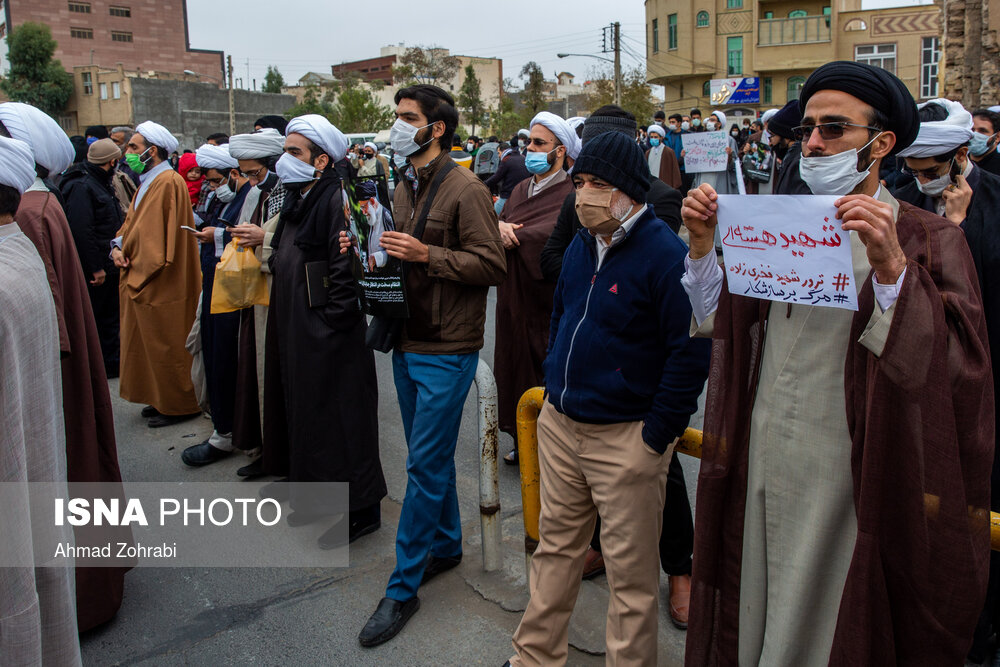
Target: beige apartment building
[(690, 42)]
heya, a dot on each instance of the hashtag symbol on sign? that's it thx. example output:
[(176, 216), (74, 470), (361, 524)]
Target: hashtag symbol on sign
[(840, 281), (840, 298)]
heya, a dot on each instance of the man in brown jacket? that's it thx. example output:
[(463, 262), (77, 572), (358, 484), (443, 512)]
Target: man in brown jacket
[(449, 270)]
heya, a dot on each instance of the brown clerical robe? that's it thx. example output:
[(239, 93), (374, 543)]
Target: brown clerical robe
[(159, 297), (91, 453), (524, 299), (920, 421)]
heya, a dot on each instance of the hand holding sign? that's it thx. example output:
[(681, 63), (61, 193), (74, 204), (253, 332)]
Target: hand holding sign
[(789, 248)]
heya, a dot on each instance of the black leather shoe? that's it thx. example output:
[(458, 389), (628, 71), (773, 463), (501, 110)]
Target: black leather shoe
[(277, 490), (388, 619), (202, 454), (362, 522), (253, 469), (149, 411), (436, 566), (160, 421)]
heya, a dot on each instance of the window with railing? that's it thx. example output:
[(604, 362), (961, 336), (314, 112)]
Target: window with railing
[(118, 36), (79, 7), (794, 30), (765, 84), (734, 4), (81, 33), (124, 12), (702, 20), (88, 83)]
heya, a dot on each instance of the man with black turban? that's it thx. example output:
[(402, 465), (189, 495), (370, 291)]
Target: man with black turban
[(843, 501), (274, 122)]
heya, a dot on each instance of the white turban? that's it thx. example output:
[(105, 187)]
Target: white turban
[(768, 115), (995, 109), (50, 147), (523, 133), (157, 135), (369, 144), (656, 128), (17, 164), (321, 132), (722, 119), (563, 131), (576, 121), (258, 145), (215, 157), (941, 136)]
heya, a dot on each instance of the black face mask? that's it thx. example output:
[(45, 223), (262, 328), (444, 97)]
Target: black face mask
[(780, 150)]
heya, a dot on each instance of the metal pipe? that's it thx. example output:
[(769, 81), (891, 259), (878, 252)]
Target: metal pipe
[(690, 443), (489, 481), (527, 456)]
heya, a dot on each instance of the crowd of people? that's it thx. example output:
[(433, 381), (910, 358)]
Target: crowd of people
[(848, 456)]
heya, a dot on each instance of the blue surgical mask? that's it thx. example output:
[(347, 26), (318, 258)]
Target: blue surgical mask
[(979, 144), (654, 142), (537, 162)]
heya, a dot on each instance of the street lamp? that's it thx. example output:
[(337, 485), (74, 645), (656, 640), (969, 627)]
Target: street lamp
[(190, 72), (618, 70)]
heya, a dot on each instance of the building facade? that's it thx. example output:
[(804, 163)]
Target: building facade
[(972, 52), (189, 108), (690, 42), (141, 35)]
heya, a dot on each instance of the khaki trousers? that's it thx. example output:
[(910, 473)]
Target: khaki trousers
[(586, 470)]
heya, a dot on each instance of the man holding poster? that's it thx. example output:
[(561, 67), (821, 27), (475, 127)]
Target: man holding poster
[(843, 501)]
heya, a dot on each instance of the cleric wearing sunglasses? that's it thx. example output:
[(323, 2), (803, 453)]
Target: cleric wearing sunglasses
[(843, 506)]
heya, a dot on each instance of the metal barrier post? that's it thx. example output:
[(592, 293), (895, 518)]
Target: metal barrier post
[(489, 482), (527, 455)]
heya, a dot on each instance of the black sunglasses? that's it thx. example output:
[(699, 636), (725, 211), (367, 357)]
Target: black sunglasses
[(827, 131)]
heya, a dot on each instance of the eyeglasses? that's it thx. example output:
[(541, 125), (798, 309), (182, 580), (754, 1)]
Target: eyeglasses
[(929, 174), (216, 181), (827, 131), (251, 174)]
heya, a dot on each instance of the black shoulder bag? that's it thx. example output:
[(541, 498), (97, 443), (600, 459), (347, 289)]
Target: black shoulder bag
[(384, 332)]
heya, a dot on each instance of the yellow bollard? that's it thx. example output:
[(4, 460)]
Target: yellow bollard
[(527, 453)]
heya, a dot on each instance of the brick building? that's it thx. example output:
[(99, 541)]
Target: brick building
[(142, 35)]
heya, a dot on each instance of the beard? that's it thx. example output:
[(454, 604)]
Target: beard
[(423, 138), (620, 206)]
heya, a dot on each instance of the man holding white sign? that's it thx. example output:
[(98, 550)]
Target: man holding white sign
[(843, 501)]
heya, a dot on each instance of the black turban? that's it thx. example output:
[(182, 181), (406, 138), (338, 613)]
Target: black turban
[(276, 122), (873, 86), (98, 131), (788, 117), (366, 189)]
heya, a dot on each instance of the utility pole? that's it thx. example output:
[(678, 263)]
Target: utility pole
[(618, 63), (232, 105)]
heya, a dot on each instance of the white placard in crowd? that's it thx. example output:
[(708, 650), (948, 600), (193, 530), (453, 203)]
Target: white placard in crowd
[(788, 248), (705, 151)]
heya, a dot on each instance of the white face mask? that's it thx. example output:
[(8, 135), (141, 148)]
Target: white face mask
[(294, 172), (938, 185), (224, 193), (402, 136), (685, 126), (399, 160), (710, 125), (765, 138), (834, 174)]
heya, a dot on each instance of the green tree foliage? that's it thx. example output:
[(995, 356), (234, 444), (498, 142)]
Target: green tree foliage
[(348, 104), (35, 78), (420, 64), (534, 87), (636, 93), (273, 81), (506, 121), (470, 99)]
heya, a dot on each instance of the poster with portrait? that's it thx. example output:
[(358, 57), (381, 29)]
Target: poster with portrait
[(379, 276)]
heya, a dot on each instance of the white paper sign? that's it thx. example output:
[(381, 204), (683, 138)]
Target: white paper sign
[(788, 248), (705, 151)]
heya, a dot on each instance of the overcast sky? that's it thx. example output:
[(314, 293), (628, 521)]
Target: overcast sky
[(299, 36)]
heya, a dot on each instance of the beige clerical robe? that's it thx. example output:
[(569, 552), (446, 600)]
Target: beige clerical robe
[(159, 297), (800, 525)]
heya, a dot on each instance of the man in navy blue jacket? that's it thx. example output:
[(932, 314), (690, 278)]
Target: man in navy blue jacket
[(622, 379)]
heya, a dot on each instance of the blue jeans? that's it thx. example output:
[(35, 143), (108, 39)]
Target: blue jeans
[(498, 204), (431, 389)]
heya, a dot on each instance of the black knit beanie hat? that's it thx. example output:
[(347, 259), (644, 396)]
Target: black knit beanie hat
[(617, 159)]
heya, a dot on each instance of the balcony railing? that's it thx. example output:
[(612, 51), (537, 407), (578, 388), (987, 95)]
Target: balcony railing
[(802, 30)]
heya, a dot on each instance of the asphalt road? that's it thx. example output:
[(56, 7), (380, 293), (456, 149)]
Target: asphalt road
[(280, 616)]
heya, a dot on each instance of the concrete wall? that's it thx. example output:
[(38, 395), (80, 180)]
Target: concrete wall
[(192, 110)]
